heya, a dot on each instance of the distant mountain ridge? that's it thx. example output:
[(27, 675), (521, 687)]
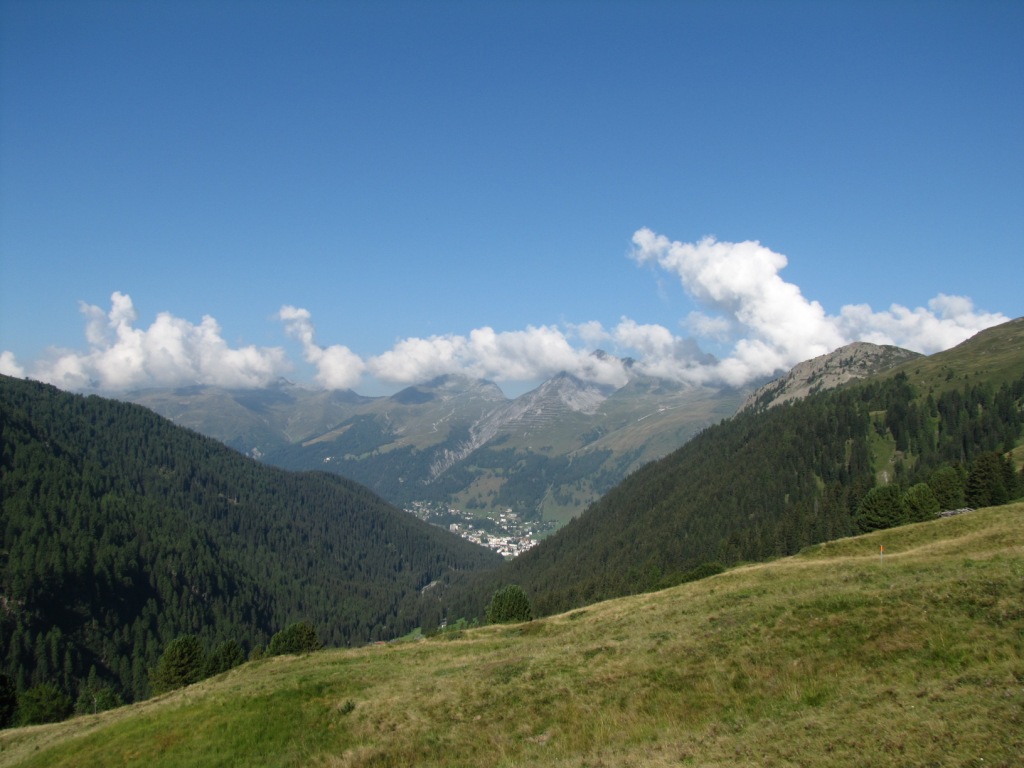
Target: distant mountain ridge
[(458, 440), (253, 421)]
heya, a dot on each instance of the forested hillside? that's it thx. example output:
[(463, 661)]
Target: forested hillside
[(935, 435), (121, 531)]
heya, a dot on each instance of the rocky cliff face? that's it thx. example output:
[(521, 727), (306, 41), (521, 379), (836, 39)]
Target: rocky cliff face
[(854, 361)]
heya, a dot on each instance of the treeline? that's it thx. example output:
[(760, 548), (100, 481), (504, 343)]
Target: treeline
[(768, 483), (121, 532), (184, 661)]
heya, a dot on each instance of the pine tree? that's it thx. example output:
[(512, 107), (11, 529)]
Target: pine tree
[(299, 637), (920, 503), (43, 703), (947, 483), (181, 664), (986, 482), (509, 604), (882, 508), (8, 700), (224, 656)]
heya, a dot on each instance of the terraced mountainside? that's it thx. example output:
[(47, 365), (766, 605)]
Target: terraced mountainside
[(831, 658)]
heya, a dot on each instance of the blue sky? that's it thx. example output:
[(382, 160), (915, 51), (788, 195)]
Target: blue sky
[(366, 194)]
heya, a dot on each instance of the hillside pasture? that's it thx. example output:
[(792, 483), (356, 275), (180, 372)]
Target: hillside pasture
[(842, 655)]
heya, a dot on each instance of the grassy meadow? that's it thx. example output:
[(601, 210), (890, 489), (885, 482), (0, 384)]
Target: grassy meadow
[(840, 656)]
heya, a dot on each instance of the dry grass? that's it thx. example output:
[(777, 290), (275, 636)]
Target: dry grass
[(831, 658)]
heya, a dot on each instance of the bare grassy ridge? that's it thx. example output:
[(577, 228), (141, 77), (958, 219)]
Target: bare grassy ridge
[(831, 658), (993, 356)]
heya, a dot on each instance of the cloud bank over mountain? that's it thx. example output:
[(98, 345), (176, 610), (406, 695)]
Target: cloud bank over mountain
[(743, 303), (773, 326)]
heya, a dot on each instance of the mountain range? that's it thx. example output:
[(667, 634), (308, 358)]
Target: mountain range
[(459, 442)]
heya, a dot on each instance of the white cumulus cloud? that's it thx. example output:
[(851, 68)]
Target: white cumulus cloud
[(9, 365), (769, 322), (758, 323), (946, 322), (337, 366), (170, 352)]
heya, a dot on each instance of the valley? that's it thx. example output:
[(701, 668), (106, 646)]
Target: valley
[(505, 534), (126, 534), (457, 442), (573, 384)]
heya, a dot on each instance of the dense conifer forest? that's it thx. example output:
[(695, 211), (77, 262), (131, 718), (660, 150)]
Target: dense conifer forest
[(121, 532), (767, 483)]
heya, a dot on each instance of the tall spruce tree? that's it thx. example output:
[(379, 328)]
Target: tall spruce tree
[(883, 507), (986, 482), (181, 664), (920, 503)]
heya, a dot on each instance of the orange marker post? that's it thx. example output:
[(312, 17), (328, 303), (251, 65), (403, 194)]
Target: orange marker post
[(881, 553)]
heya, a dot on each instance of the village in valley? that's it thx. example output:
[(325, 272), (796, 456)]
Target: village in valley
[(507, 534)]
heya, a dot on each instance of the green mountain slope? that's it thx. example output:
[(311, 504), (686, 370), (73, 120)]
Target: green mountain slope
[(253, 421), (768, 482), (121, 531), (831, 658), (994, 355)]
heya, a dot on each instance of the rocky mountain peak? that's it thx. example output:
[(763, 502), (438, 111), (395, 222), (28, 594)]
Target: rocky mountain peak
[(569, 391), (854, 361)]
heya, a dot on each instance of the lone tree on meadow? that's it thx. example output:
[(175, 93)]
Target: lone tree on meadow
[(181, 664), (299, 637), (509, 604), (224, 656), (947, 483)]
